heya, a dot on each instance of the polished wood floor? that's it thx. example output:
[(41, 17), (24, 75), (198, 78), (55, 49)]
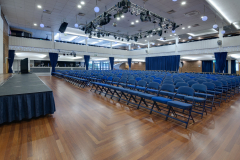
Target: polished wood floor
[(89, 126)]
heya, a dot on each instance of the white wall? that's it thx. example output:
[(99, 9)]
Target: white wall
[(1, 44)]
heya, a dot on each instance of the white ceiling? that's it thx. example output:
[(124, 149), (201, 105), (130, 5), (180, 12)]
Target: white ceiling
[(24, 13)]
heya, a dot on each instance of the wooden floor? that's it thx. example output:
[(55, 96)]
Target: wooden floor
[(90, 126)]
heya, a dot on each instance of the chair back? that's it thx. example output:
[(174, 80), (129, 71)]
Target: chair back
[(132, 82), (153, 85), (167, 87), (192, 83), (181, 84), (142, 83), (210, 86), (185, 90), (199, 88)]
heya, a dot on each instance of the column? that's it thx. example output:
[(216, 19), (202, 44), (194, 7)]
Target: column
[(86, 42), (53, 44), (129, 47), (111, 47), (220, 35), (229, 66), (176, 44)]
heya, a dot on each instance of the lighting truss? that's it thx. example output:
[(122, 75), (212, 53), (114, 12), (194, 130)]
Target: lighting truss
[(164, 23)]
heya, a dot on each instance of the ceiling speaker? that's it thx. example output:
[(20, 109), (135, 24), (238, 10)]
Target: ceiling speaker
[(219, 42), (63, 27)]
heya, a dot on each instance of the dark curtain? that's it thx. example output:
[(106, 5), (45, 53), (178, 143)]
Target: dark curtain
[(111, 59), (86, 58), (220, 61), (207, 66), (233, 66), (226, 67), (130, 63), (11, 54), (26, 106), (169, 63), (53, 60)]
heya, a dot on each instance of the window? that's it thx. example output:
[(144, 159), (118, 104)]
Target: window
[(104, 65)]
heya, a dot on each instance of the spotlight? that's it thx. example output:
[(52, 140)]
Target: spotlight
[(173, 31), (215, 26), (204, 18), (42, 25), (190, 37), (223, 32)]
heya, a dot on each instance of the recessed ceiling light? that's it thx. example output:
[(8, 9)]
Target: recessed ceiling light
[(170, 35), (35, 24), (39, 6), (132, 23), (189, 26), (201, 17), (183, 28), (175, 34), (150, 35), (79, 6), (145, 40), (183, 3), (82, 2), (137, 21), (122, 16), (118, 18)]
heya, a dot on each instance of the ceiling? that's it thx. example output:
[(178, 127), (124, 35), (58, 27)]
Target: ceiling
[(24, 13)]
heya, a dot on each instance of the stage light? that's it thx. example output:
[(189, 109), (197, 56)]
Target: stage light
[(118, 18), (190, 37), (79, 6), (183, 3), (223, 32), (76, 25), (42, 25), (35, 24), (132, 23), (122, 16), (174, 0), (39, 6), (82, 2), (137, 21), (215, 26), (96, 9), (173, 31), (204, 18)]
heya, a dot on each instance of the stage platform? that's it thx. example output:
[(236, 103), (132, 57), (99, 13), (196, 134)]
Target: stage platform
[(25, 96)]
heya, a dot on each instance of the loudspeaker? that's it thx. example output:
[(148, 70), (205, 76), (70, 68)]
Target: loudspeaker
[(24, 66), (63, 27)]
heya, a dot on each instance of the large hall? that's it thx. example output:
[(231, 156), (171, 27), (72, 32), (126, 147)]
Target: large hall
[(119, 80)]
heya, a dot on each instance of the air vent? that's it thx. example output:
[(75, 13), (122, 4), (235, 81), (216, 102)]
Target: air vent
[(171, 12), (81, 14), (192, 13), (47, 11), (195, 25)]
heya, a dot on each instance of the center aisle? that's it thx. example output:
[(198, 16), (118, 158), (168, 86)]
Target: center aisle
[(90, 126)]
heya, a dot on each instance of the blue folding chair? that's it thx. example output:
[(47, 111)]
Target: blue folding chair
[(187, 91)]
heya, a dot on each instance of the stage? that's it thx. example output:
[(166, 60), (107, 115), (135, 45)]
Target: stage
[(25, 96)]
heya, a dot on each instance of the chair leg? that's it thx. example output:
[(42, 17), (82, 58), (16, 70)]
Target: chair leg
[(152, 108), (140, 103), (168, 112)]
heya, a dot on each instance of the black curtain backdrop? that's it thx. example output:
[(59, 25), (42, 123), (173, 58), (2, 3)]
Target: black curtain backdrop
[(220, 61), (233, 66), (207, 66), (11, 54), (169, 63), (111, 59), (53, 60), (86, 58), (130, 63)]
